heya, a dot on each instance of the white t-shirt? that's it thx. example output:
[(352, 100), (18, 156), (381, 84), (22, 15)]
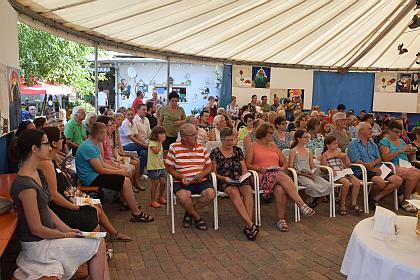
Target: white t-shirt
[(143, 127), (102, 98), (127, 128)]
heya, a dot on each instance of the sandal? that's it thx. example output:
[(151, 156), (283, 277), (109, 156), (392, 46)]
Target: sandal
[(282, 226), (306, 210), (356, 210), (142, 217), (187, 221), (200, 224), (407, 206), (343, 210), (251, 233), (119, 237)]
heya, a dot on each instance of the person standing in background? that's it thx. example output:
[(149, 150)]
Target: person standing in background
[(138, 100)]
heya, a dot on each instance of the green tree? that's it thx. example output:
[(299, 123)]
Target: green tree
[(47, 57)]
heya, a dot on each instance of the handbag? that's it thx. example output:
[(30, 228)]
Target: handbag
[(5, 205)]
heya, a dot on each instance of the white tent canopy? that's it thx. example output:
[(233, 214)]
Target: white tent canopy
[(296, 33)]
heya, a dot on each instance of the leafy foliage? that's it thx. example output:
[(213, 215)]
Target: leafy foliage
[(47, 57)]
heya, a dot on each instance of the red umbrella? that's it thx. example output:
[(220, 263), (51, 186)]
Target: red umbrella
[(45, 88)]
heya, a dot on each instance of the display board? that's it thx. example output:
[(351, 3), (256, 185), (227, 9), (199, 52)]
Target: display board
[(283, 82), (396, 92)]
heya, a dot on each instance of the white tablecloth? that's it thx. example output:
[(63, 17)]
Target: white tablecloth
[(369, 258)]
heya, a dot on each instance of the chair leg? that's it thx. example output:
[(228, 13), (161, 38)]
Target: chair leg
[(365, 198), (216, 214), (332, 204), (396, 199), (172, 209), (296, 213), (167, 197)]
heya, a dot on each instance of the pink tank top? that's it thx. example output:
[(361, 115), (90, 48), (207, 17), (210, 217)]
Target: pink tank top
[(265, 157), (107, 148)]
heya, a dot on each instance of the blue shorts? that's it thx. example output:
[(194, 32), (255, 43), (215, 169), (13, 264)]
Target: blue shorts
[(196, 188), (156, 174)]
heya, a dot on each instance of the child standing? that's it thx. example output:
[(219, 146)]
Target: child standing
[(339, 161), (155, 166), (301, 159)]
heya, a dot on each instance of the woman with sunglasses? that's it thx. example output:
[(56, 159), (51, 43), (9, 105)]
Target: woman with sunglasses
[(49, 246), (394, 149)]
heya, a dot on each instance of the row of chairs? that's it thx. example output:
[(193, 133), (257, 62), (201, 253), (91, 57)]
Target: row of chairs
[(366, 186)]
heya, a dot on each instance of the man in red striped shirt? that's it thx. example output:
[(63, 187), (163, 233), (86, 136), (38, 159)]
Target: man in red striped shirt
[(189, 163)]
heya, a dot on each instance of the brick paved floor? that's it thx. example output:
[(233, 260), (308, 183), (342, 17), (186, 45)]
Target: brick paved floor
[(312, 249)]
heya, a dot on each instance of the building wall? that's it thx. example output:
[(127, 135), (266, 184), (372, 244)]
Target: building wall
[(156, 72)]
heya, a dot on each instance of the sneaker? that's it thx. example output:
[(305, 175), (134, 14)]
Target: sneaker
[(154, 204)]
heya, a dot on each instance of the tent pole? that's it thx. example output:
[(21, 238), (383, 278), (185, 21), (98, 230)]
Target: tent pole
[(117, 100), (96, 77), (169, 89)]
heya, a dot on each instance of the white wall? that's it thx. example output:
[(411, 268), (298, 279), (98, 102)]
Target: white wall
[(396, 102), (199, 74), (9, 47), (284, 78)]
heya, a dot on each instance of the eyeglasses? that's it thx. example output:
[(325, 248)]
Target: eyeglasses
[(396, 131), (45, 143)]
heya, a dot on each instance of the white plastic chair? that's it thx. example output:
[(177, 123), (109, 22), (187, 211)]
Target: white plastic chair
[(367, 185), (256, 191), (210, 145), (286, 153), (171, 201), (240, 144)]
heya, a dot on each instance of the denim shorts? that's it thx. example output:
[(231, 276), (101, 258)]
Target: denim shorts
[(155, 174)]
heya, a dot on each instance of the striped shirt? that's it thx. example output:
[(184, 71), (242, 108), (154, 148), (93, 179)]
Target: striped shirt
[(188, 162)]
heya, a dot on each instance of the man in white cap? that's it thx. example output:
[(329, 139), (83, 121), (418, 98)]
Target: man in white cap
[(339, 131)]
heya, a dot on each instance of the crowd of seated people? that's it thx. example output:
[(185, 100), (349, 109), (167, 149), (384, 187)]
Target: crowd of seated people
[(123, 151)]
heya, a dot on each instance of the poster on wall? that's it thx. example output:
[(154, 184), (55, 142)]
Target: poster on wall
[(261, 77), (385, 82), (4, 101), (279, 92), (415, 83), (296, 96), (404, 82), (14, 98), (182, 92), (242, 76)]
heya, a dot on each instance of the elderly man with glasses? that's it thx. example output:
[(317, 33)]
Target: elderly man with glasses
[(189, 163), (363, 150), (74, 130)]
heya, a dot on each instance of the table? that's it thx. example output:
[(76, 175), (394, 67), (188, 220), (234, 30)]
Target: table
[(369, 258), (8, 221)]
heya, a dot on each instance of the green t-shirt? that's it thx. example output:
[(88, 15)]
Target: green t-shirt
[(265, 107), (75, 131), (242, 133), (169, 119), (154, 161)]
